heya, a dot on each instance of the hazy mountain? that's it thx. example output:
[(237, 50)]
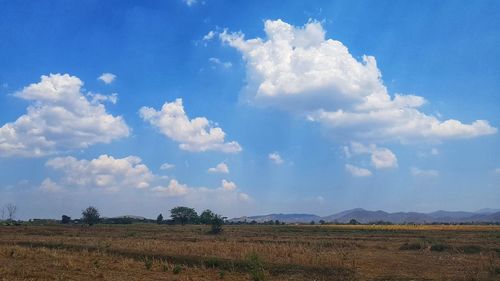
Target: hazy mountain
[(487, 211), (288, 218), (365, 216)]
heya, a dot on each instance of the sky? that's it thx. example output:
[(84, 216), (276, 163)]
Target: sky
[(249, 107)]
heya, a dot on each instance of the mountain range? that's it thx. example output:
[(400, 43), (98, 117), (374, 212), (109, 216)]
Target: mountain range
[(365, 216)]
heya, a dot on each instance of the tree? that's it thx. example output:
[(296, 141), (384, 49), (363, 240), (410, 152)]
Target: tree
[(90, 215), (159, 219), (65, 219), (277, 222), (183, 215), (322, 222), (353, 221), (2, 213), (11, 211), (216, 224), (206, 217)]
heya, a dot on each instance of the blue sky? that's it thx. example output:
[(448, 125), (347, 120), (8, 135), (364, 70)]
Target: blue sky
[(313, 106)]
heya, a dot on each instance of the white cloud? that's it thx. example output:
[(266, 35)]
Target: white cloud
[(167, 166), (380, 157), (209, 36), (99, 98), (129, 173), (107, 78), (383, 158), (244, 197), (275, 158), (104, 172), (298, 69), (220, 168), (59, 118), (50, 186), (357, 171), (190, 2), (227, 192), (423, 173), (497, 171), (174, 188), (434, 151), (217, 61), (197, 134), (228, 185)]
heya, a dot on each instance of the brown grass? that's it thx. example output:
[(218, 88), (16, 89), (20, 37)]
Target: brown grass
[(288, 252)]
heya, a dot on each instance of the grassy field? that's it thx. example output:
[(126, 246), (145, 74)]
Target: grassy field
[(249, 252)]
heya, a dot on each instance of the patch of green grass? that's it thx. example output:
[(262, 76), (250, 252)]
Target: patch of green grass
[(177, 269), (255, 267), (439, 247), (471, 249), (414, 246)]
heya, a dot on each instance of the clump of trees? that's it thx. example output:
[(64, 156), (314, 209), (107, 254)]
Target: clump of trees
[(90, 215), (185, 215), (65, 219)]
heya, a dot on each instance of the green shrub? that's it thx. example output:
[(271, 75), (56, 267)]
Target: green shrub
[(439, 247), (148, 263), (471, 249), (411, 246), (255, 267), (177, 269)]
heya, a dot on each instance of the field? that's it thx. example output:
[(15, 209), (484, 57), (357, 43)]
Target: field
[(249, 252)]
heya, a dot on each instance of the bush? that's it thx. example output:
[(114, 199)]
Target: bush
[(216, 225), (177, 269), (471, 249), (411, 246), (255, 267), (439, 247), (148, 263)]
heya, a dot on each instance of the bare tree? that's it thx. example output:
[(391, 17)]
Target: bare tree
[(11, 211), (2, 213)]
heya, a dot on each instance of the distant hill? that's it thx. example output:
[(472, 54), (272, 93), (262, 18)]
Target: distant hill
[(365, 216), (288, 218)]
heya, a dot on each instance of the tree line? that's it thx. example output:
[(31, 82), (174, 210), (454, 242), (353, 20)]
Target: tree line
[(179, 215)]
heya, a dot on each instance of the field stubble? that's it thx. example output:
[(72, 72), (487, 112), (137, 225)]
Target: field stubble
[(160, 252)]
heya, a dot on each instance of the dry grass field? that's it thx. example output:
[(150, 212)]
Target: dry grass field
[(249, 252)]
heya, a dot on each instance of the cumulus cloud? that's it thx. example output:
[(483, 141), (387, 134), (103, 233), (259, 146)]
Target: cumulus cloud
[(380, 157), (357, 171), (167, 166), (50, 186), (107, 78), (209, 36), (216, 61), (226, 192), (174, 188), (219, 168), (228, 185), (99, 98), (298, 69), (59, 118), (197, 134), (423, 173), (275, 158), (104, 172), (129, 173)]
